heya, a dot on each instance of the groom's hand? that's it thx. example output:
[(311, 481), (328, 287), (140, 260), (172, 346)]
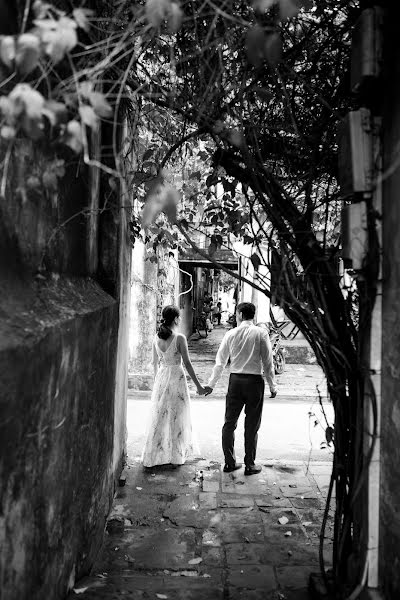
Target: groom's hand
[(208, 389)]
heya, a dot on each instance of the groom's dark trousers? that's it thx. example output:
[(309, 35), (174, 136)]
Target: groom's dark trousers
[(243, 391)]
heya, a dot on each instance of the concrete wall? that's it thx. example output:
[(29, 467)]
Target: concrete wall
[(390, 432), (62, 394)]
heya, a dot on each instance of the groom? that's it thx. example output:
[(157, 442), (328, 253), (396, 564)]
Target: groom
[(249, 348)]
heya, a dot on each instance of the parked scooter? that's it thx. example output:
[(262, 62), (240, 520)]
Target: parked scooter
[(278, 352), (232, 320), (275, 334)]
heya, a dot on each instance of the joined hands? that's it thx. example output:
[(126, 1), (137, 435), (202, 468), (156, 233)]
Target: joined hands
[(204, 390)]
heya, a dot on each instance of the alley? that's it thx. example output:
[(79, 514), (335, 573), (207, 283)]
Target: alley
[(198, 533)]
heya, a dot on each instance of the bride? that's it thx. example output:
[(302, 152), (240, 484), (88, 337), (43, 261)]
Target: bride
[(170, 436)]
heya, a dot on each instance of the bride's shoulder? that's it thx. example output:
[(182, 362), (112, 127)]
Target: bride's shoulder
[(180, 338)]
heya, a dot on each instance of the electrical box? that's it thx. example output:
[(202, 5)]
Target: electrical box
[(355, 166), (366, 56), (354, 235)]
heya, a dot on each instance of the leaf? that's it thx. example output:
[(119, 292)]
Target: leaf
[(288, 533), (171, 201), (33, 182), (288, 9), (283, 520), (255, 261), (255, 45), (50, 182), (26, 106), (212, 248), (58, 36), (273, 48), (263, 93), (174, 17), (7, 51), (88, 116), (236, 137), (195, 561), (82, 16), (27, 53), (156, 11), (73, 137), (148, 154), (161, 596), (7, 132), (101, 106), (263, 5), (56, 112), (329, 435)]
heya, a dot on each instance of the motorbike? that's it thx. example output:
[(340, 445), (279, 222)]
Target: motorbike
[(232, 320), (275, 334), (278, 352)]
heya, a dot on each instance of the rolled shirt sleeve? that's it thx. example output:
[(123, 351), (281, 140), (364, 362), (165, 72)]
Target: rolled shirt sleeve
[(220, 362), (267, 361)]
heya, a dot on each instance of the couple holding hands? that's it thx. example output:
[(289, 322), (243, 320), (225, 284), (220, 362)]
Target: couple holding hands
[(170, 437)]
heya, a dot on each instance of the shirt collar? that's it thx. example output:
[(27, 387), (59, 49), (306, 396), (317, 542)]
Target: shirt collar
[(246, 323)]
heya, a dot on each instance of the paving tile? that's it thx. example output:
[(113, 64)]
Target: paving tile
[(277, 533), (288, 552), (241, 516), (210, 486), (208, 500), (294, 578), (297, 594), (241, 487), (243, 594), (252, 577), (242, 554), (213, 556), (299, 491), (211, 537), (230, 501), (273, 501), (304, 503), (151, 549), (272, 517), (242, 533)]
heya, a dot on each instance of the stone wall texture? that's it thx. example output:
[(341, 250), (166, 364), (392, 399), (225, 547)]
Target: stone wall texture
[(390, 442), (63, 311)]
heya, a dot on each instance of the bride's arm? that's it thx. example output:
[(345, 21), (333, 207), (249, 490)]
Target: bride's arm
[(183, 349)]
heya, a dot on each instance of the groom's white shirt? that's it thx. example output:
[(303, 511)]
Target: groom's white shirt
[(249, 349)]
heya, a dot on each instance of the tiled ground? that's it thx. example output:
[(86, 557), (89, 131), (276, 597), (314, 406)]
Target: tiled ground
[(198, 533)]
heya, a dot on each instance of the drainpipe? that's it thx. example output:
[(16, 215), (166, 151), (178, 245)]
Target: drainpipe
[(373, 482)]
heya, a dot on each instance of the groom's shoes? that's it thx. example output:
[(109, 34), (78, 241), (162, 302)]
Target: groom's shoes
[(230, 468), (252, 469)]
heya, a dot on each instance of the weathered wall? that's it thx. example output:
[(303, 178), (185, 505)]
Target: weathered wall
[(154, 285), (390, 440), (62, 395), (143, 318)]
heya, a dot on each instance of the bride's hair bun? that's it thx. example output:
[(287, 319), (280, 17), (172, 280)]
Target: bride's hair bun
[(168, 315)]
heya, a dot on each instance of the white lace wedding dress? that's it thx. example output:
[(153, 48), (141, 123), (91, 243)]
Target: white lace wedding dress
[(170, 436)]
